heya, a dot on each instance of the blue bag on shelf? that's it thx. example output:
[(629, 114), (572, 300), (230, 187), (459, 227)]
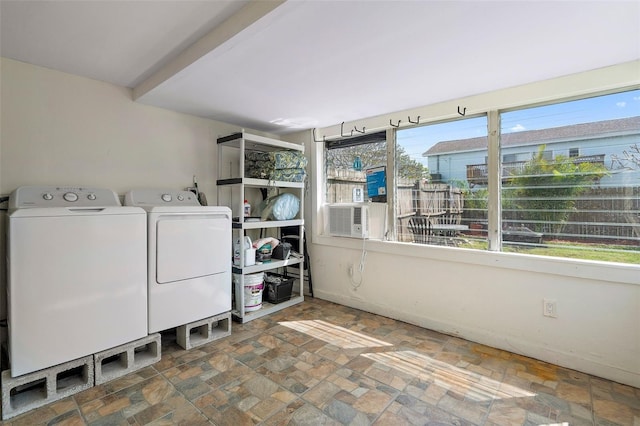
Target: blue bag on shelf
[(281, 207)]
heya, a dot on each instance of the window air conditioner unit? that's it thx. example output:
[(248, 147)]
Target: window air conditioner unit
[(349, 220)]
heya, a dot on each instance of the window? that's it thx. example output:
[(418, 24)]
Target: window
[(440, 169), (569, 181), (346, 165), (584, 204), (546, 154)]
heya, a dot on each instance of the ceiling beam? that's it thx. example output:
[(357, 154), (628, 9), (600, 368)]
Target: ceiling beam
[(245, 17)]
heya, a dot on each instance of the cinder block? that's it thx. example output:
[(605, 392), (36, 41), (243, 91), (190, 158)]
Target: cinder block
[(124, 359), (33, 390), (204, 331)]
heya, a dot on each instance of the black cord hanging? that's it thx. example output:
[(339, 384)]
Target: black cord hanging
[(360, 131), (414, 122), (395, 125), (464, 111)]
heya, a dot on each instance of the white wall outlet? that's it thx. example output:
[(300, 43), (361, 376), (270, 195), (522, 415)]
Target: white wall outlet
[(358, 195), (550, 308)]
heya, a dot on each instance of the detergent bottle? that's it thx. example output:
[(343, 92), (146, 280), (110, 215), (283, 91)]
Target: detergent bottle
[(249, 252)]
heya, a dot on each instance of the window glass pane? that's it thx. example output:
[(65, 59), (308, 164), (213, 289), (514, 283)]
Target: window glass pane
[(579, 193), (346, 164), (441, 178)]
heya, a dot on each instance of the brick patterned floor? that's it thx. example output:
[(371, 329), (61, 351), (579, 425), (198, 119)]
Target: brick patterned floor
[(319, 363)]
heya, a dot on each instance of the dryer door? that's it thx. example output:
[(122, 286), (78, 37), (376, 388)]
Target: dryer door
[(191, 246)]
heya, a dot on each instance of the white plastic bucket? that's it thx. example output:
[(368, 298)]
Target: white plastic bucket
[(253, 288)]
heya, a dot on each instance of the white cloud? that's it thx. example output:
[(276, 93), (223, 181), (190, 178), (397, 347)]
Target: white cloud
[(518, 128), (636, 98), (621, 104)]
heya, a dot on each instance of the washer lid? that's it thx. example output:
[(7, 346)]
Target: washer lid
[(76, 212)]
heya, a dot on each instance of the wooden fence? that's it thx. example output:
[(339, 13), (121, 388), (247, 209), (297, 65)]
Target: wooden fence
[(606, 214), (341, 183), (413, 198)]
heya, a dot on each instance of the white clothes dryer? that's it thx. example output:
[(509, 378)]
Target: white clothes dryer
[(189, 252), (76, 275)]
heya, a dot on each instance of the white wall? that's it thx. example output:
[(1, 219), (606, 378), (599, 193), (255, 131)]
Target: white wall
[(491, 298), (59, 128)]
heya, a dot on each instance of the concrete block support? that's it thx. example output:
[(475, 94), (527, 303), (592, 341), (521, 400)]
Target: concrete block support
[(204, 331), (124, 359), (33, 390)]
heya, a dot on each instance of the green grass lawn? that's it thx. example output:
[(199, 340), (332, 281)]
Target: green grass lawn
[(602, 252)]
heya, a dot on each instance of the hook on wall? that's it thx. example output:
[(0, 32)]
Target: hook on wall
[(464, 111), (395, 125), (359, 131), (414, 122), (342, 133), (324, 138)]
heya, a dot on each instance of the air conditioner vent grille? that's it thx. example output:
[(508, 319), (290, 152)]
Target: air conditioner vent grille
[(340, 222), (357, 215)]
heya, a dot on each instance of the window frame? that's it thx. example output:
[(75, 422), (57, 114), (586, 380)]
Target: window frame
[(495, 161)]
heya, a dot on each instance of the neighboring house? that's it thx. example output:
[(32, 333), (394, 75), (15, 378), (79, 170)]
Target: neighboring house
[(603, 142)]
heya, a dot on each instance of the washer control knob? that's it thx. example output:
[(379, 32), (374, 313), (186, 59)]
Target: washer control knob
[(166, 197), (91, 196), (70, 196), (180, 198), (47, 196)]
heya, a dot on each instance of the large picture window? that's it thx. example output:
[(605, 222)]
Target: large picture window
[(568, 179)]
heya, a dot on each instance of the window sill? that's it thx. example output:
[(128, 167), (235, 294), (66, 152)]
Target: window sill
[(587, 269)]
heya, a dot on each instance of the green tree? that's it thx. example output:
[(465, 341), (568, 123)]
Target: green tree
[(409, 168), (373, 155), (476, 201), (545, 192)]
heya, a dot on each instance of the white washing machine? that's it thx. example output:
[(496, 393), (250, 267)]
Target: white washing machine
[(189, 249), (76, 275)]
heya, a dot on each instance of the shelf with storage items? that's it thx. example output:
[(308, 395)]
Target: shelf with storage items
[(233, 188)]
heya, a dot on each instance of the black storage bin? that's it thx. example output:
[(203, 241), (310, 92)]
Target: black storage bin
[(277, 288), (281, 251)]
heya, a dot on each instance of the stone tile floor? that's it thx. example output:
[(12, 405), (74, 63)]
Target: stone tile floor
[(319, 363)]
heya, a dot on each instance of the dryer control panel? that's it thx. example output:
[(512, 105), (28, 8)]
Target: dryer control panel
[(160, 197), (62, 196)]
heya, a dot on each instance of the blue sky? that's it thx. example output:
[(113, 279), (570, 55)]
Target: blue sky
[(417, 140)]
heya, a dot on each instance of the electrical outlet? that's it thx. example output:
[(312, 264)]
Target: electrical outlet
[(550, 308)]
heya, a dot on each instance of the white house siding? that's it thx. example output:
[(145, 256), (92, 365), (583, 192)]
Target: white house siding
[(453, 166)]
